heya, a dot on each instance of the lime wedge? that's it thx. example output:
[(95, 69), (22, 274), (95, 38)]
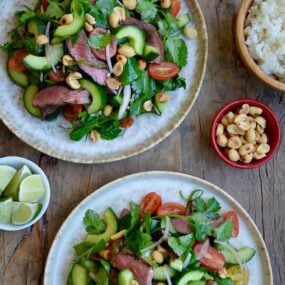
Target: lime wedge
[(23, 213), (13, 187), (32, 189), (6, 174), (6, 210)]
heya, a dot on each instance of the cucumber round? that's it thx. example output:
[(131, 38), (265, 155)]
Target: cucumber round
[(135, 36), (18, 77), (159, 272), (186, 277), (98, 94), (245, 253), (42, 63), (125, 277), (111, 222), (79, 275), (150, 52), (29, 95)]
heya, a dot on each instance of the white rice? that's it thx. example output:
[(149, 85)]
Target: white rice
[(265, 36)]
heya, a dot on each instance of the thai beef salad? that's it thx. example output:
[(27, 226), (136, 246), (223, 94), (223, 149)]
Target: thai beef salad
[(162, 243), (99, 63)]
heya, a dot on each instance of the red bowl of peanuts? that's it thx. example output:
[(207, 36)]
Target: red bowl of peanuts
[(245, 133)]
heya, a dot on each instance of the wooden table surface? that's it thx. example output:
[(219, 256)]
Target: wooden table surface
[(260, 191)]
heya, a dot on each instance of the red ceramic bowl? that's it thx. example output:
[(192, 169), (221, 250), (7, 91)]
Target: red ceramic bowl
[(272, 130)]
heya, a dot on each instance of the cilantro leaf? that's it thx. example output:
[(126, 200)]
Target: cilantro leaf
[(106, 6), (147, 10), (93, 223), (181, 244), (134, 218), (224, 231), (210, 207), (131, 71), (85, 249), (176, 51), (137, 241), (223, 281), (99, 40), (24, 16), (201, 225), (168, 26), (173, 84)]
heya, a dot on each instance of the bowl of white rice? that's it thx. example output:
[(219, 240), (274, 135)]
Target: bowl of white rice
[(260, 37)]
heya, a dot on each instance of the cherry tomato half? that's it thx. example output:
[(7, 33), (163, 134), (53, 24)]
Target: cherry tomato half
[(175, 7), (171, 208), (44, 5), (126, 123), (101, 53), (150, 203), (163, 71), (233, 217), (212, 259), (71, 111), (58, 76), (15, 62)]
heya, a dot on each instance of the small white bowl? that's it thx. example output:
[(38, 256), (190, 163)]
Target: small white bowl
[(17, 162)]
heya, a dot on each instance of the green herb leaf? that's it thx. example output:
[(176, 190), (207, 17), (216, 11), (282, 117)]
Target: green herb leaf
[(99, 40), (173, 84), (210, 207), (23, 16), (84, 250), (147, 10), (224, 281), (168, 26), (181, 244), (93, 223), (54, 11), (176, 51), (137, 241), (201, 225), (131, 71), (134, 221), (224, 231)]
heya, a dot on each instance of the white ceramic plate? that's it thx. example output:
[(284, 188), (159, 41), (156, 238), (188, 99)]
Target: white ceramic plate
[(119, 193), (148, 130)]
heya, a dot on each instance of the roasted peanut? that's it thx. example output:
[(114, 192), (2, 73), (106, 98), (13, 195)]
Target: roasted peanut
[(252, 122), (250, 136), (113, 83), (42, 39), (118, 235), (261, 121), (121, 58), (72, 80), (162, 97), (263, 148), (88, 28), (234, 130), (105, 254), (134, 282), (222, 140), (66, 19), (107, 111), (230, 117), (165, 4), (114, 19), (130, 4), (94, 136), (234, 142), (118, 68), (233, 155), (246, 149), (247, 158), (258, 156), (263, 139), (259, 129), (90, 19), (157, 256), (147, 106), (224, 121), (220, 129), (190, 32), (141, 64), (67, 60), (121, 12), (127, 51), (162, 250), (244, 109), (255, 111)]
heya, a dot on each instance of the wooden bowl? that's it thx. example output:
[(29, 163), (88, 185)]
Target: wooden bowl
[(244, 53)]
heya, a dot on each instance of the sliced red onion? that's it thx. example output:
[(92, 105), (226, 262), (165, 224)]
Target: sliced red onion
[(41, 77), (204, 250), (233, 251), (168, 279), (163, 238), (48, 49), (108, 58), (126, 101)]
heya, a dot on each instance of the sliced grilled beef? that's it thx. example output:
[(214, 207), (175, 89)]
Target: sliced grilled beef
[(181, 226), (57, 96), (142, 271), (81, 51), (153, 37)]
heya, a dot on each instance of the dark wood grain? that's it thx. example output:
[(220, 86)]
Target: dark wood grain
[(260, 191)]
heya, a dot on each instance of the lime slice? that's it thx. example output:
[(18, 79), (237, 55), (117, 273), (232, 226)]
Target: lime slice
[(6, 174), (23, 213), (13, 187), (6, 210), (32, 189)]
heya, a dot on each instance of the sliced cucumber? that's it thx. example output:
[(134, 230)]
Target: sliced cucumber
[(111, 222), (183, 20), (150, 53), (65, 31), (186, 277), (42, 63), (18, 77), (135, 36), (101, 277), (245, 253), (29, 95), (99, 97), (196, 282), (79, 275), (159, 105), (176, 264), (36, 26), (159, 272), (125, 277)]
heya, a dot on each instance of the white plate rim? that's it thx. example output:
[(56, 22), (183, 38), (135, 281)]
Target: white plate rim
[(211, 187)]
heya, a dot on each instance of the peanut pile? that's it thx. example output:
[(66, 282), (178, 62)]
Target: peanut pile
[(242, 134)]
